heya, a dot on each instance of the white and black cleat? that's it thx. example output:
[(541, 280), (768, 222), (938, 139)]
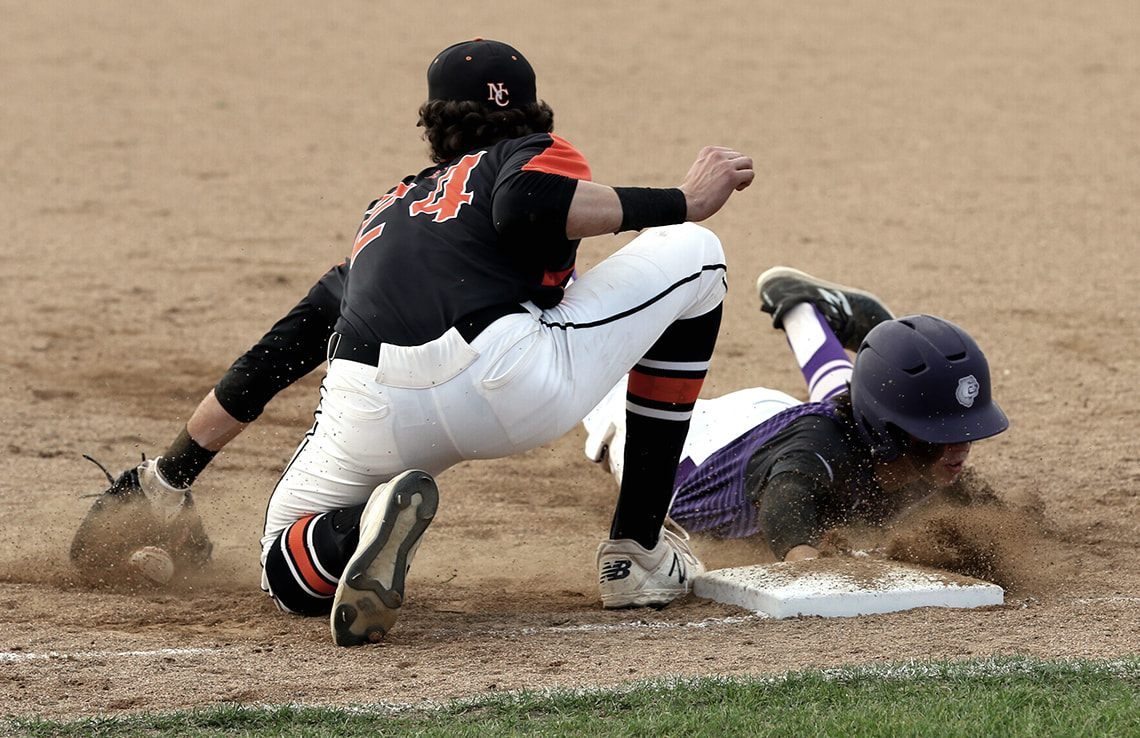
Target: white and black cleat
[(371, 589)]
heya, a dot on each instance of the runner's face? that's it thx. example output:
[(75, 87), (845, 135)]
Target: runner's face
[(939, 464)]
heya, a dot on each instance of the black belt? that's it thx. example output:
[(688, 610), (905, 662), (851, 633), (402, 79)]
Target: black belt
[(349, 347), (344, 346)]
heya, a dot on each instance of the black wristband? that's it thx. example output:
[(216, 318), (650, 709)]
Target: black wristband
[(184, 461), (645, 207)]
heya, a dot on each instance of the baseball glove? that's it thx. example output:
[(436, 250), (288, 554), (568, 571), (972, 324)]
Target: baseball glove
[(123, 519)]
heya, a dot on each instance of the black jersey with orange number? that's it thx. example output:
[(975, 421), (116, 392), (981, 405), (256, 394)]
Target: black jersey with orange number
[(483, 230)]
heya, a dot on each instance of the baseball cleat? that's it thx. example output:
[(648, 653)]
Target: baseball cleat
[(850, 312), (371, 589), (631, 576)]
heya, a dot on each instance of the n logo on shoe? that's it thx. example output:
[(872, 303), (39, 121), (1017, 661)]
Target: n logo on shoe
[(616, 569), (678, 568)]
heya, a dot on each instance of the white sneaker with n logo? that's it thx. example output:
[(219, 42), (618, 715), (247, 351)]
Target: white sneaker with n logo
[(631, 576)]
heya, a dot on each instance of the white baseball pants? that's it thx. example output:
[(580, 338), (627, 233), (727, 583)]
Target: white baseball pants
[(526, 380)]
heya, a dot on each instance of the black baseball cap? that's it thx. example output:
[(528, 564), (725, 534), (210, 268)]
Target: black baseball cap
[(482, 70)]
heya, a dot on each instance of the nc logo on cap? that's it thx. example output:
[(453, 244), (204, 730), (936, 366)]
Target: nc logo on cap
[(968, 389), (497, 93)]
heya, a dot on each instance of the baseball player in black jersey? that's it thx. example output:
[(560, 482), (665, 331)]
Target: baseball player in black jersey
[(875, 437), (459, 335)]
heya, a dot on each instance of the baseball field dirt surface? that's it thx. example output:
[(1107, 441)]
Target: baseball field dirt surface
[(176, 175)]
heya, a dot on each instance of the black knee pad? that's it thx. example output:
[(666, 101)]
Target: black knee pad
[(305, 562)]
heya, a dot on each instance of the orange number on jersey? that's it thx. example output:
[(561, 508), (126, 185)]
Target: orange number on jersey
[(443, 203), (451, 193), (367, 234)]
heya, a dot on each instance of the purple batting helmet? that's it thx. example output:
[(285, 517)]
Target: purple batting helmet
[(924, 376)]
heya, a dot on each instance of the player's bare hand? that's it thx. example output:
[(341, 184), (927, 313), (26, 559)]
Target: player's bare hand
[(714, 176)]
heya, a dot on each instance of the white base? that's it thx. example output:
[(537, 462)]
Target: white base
[(842, 587)]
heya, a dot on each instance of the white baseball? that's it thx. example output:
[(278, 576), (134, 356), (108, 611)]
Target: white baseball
[(154, 564)]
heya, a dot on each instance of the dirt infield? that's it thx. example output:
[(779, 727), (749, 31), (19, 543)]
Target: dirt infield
[(176, 175)]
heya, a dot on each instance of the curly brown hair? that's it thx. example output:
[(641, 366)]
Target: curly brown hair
[(453, 128)]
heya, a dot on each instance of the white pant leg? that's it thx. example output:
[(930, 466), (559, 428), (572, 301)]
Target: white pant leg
[(535, 377), (365, 433), (610, 317), (715, 424)]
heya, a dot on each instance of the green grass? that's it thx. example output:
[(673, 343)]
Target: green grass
[(1001, 696)]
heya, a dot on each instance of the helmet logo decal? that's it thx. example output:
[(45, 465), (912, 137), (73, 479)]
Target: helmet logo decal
[(968, 389)]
